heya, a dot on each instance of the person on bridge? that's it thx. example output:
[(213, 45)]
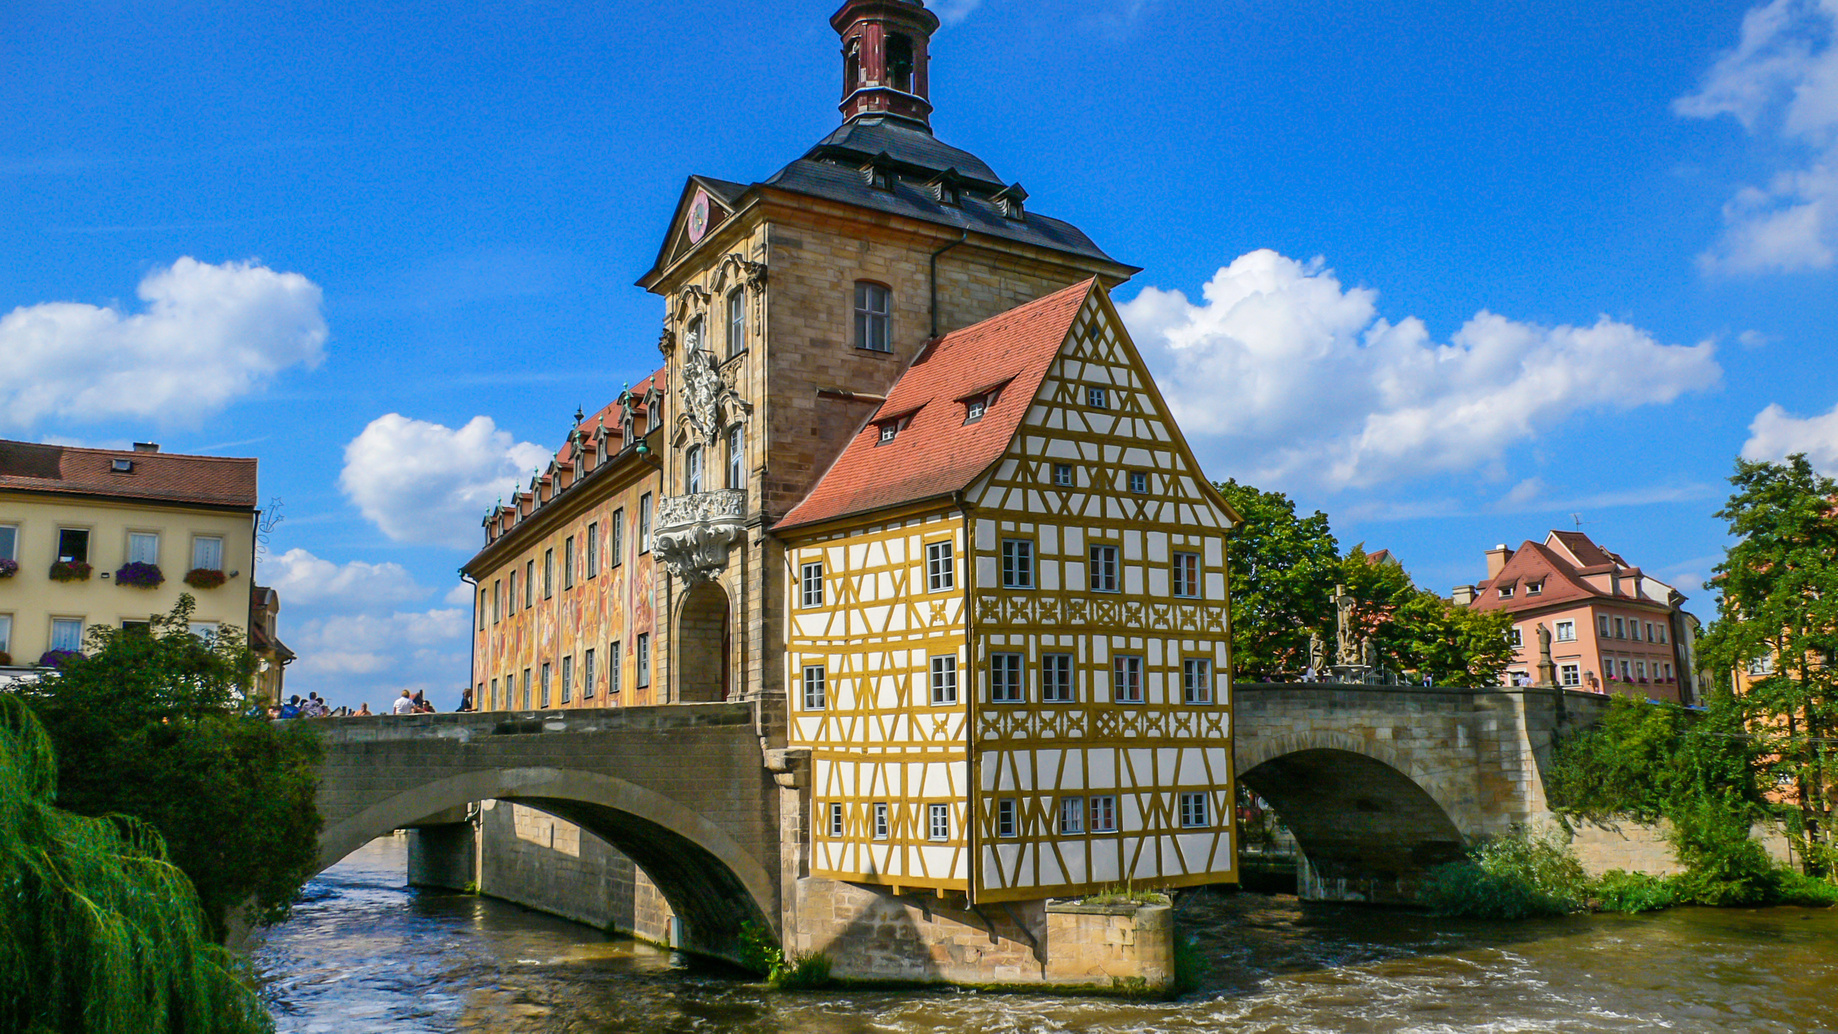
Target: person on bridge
[(421, 703), (291, 709), (405, 704), (363, 711)]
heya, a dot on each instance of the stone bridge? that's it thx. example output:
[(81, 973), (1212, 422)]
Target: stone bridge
[(679, 788), (1379, 783)]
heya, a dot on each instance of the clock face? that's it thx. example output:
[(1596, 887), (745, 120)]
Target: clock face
[(698, 216)]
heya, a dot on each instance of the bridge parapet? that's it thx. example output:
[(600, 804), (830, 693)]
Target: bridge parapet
[(463, 726)]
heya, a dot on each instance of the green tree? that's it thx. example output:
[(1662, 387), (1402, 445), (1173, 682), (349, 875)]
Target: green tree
[(1419, 633), (1779, 605), (1283, 567), (150, 725), (99, 932)]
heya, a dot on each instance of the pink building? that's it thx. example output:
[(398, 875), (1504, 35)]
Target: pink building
[(1613, 628)]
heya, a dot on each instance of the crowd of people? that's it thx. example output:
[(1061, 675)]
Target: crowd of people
[(315, 707)]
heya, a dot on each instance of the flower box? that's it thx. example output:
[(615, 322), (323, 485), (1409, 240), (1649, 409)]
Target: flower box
[(8, 568), (70, 571), (58, 658), (203, 578), (6, 659), (140, 575)]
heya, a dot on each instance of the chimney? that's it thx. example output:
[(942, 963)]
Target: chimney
[(1464, 595), (884, 59), (1497, 558), (146, 446)]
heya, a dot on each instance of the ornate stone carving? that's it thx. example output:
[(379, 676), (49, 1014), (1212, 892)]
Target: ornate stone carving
[(691, 534), (706, 395)]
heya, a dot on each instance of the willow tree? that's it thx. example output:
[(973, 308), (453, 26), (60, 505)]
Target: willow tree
[(1778, 618), (99, 932)]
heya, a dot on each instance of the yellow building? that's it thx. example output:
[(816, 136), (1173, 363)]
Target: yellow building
[(112, 537)]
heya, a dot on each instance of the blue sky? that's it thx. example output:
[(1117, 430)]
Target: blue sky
[(1451, 272)]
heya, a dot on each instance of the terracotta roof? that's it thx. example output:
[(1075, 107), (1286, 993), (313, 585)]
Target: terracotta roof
[(1561, 581), (154, 476), (936, 453)]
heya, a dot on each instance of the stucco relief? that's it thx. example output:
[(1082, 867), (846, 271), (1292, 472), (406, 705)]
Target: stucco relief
[(693, 533)]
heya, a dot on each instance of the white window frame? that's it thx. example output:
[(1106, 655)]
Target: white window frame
[(816, 697), (1186, 568), (199, 561), (939, 822), (810, 584), (615, 667), (568, 563), (873, 325), (943, 679), (1566, 631), (78, 623), (1515, 636), (1195, 810), (644, 523), (692, 470), (1058, 679), (137, 537), (642, 654), (1071, 816), (6, 634), (737, 458), (940, 566), (568, 679), (11, 543), (547, 684), (1139, 482), (882, 828), (836, 818), (1007, 678), (593, 549), (1570, 674)]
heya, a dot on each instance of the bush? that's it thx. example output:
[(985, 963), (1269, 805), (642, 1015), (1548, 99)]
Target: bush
[(6, 659), (140, 575), (1511, 877), (761, 954), (1795, 888), (1619, 891), (802, 972), (1724, 864), (204, 578), (8, 568)]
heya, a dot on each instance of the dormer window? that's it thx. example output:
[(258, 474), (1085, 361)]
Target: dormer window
[(880, 177), (889, 430), (1506, 592), (975, 408), (1534, 588), (1009, 199), (121, 466)]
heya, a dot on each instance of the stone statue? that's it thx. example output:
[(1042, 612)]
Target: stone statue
[(1544, 644), (1348, 648), (1368, 652), (1317, 653), (704, 393)]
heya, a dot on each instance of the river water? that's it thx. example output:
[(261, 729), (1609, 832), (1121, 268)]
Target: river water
[(365, 953)]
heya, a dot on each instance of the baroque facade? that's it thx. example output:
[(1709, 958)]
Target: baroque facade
[(903, 477)]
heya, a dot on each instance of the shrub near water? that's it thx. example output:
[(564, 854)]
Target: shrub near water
[(1510, 877)]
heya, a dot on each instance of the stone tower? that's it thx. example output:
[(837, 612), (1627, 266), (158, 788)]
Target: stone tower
[(884, 49)]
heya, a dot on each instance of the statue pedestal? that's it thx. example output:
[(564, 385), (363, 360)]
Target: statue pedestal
[(1360, 673)]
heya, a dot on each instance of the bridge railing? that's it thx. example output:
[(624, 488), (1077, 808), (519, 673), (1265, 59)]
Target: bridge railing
[(468, 724)]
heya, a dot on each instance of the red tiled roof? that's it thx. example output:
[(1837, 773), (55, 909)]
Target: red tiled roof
[(155, 476), (936, 452), (1561, 581)]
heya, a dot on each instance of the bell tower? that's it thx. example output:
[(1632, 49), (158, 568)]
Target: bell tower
[(884, 44)]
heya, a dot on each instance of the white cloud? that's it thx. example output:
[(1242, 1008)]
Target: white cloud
[(424, 482), (1776, 434), (1283, 376), (304, 579), (953, 11), (208, 336), (1780, 81), (459, 596), (374, 644)]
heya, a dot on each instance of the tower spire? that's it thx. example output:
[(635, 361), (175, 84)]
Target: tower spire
[(884, 59)]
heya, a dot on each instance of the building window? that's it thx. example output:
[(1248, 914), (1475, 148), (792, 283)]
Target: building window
[(1620, 629), (1005, 817), (1017, 564), (1633, 629), (1762, 665), (890, 429), (1187, 575), (813, 688), (1193, 810), (737, 458), (810, 580), (1126, 673), (872, 304), (587, 675), (205, 630), (644, 523), (880, 820), (1515, 637), (1097, 398), (737, 321), (491, 700), (593, 549), (1602, 620), (1056, 678), (1640, 669), (941, 821), (567, 678), (9, 542), (1104, 569), (1534, 588), (615, 539), (1624, 674), (1005, 685), (944, 679), (1506, 592), (568, 563), (615, 668), (481, 608), (1071, 815), (1139, 482), (692, 470), (511, 598), (1197, 680), (66, 634), (1104, 814), (143, 548), (642, 656), (497, 599), (548, 679), (1566, 631), (939, 575), (526, 689), (73, 545), (529, 584), (835, 819), (548, 574), (1062, 475), (1661, 627), (975, 408), (1668, 671), (1569, 675), (206, 552)]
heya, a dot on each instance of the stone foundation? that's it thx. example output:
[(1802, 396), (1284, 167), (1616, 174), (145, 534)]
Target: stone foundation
[(533, 859)]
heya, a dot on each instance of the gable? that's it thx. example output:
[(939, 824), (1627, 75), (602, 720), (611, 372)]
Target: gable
[(1133, 432), (703, 206)]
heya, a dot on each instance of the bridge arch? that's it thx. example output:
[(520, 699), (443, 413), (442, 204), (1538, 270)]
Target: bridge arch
[(712, 882), (1369, 819)]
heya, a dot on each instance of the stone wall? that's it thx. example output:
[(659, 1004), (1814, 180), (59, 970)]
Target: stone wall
[(1106, 945), (541, 862)]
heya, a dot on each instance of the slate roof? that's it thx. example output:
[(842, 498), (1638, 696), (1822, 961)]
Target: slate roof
[(936, 452), (154, 477)]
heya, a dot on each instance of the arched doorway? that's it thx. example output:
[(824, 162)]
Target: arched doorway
[(701, 646), (1367, 830)]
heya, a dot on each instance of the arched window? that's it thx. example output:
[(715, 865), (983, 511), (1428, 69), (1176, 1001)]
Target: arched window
[(692, 335), (737, 321), (900, 62), (737, 458), (873, 302), (852, 68), (692, 470)]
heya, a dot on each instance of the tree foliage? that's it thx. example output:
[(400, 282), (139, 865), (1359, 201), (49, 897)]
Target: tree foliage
[(149, 725), (1779, 606), (99, 932), (1284, 567)]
